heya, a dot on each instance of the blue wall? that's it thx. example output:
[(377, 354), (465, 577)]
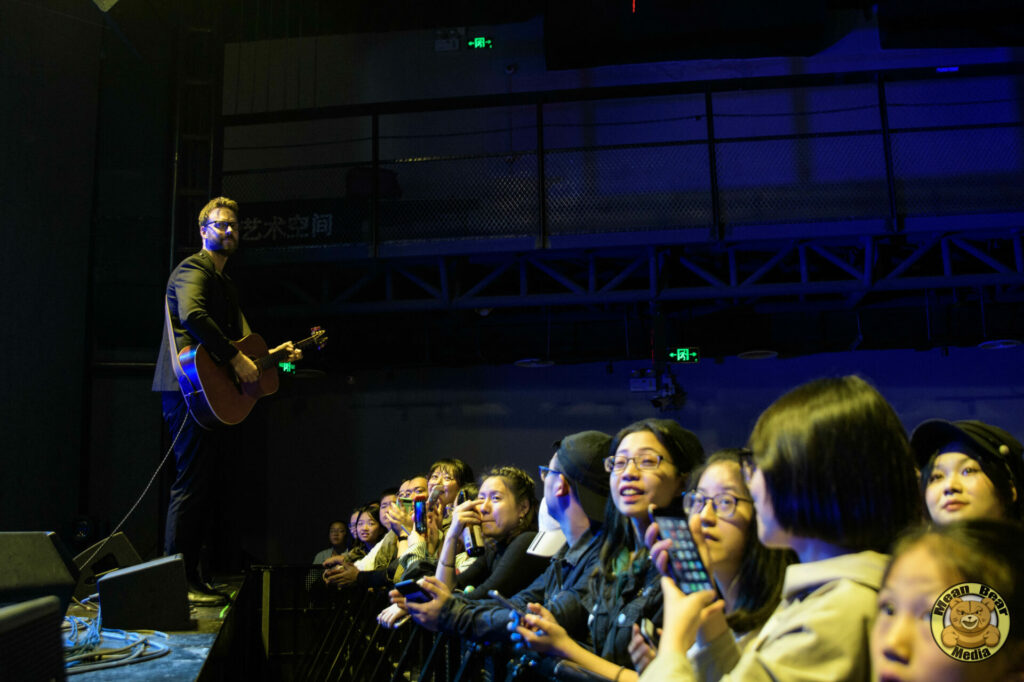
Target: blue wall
[(327, 452)]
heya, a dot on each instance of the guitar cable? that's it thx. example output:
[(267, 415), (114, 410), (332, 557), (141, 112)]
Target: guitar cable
[(143, 495)]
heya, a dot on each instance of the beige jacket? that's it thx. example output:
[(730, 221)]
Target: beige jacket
[(818, 632)]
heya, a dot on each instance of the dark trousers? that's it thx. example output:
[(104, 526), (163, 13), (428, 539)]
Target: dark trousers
[(189, 513)]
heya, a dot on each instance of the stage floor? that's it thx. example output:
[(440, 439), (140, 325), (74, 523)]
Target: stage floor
[(189, 649)]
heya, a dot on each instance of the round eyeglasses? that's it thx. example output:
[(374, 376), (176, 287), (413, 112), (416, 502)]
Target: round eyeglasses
[(618, 463), (724, 504)]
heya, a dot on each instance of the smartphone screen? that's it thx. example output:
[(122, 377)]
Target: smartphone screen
[(688, 570), (420, 514), (412, 591)]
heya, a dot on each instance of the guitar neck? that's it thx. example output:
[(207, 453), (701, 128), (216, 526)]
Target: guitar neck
[(271, 359)]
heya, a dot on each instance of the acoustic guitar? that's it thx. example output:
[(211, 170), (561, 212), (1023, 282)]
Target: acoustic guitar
[(216, 396)]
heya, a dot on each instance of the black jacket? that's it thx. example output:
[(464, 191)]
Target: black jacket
[(204, 309), (561, 589)]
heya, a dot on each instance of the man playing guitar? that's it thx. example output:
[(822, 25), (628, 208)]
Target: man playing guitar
[(201, 308)]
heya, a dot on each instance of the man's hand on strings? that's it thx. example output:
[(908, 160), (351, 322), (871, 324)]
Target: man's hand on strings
[(245, 369)]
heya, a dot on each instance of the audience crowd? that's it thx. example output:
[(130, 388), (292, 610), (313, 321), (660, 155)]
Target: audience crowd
[(836, 548)]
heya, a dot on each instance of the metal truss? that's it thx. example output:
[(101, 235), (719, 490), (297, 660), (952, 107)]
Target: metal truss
[(823, 272)]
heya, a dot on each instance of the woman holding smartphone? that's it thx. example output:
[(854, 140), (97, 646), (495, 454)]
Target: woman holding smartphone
[(748, 574), (505, 511), (649, 464), (832, 478)]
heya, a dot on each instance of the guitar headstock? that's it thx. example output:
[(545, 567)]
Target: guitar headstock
[(318, 336)]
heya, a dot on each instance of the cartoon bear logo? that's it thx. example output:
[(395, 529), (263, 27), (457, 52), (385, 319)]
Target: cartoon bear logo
[(970, 625)]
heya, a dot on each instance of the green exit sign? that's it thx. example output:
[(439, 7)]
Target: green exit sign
[(287, 367), (685, 354), (480, 43)]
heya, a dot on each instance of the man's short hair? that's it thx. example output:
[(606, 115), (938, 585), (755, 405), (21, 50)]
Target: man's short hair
[(219, 202)]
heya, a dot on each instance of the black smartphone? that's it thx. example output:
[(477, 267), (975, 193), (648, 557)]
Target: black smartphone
[(420, 513), (688, 570), (494, 594), (411, 590)]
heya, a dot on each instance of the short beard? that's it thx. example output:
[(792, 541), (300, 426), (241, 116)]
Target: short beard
[(224, 247)]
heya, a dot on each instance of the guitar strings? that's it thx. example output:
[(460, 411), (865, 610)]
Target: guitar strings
[(143, 495)]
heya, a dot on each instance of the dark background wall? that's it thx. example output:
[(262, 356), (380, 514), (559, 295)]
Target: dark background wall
[(86, 180), (86, 115), (49, 74)]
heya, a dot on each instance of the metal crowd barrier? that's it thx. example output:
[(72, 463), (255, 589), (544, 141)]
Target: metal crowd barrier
[(284, 628)]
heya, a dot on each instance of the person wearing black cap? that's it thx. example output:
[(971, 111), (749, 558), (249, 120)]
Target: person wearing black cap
[(575, 492), (969, 470)]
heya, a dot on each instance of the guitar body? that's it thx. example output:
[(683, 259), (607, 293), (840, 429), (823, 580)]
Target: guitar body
[(212, 392)]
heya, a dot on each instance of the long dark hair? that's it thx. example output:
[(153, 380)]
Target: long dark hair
[(762, 570), (685, 451)]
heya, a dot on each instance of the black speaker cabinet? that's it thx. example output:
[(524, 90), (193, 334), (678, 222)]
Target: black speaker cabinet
[(30, 641), (35, 564), (105, 556), (149, 596)]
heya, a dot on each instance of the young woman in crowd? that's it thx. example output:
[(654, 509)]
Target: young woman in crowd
[(356, 550), (506, 511), (417, 552), (649, 464), (925, 564), (447, 476), (368, 528), (748, 574), (969, 470), (832, 478)]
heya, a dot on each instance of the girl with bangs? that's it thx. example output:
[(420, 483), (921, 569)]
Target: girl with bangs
[(748, 574)]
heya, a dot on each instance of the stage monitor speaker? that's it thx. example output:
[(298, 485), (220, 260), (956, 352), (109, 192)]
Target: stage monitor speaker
[(35, 564), (149, 596), (103, 557), (31, 647)]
